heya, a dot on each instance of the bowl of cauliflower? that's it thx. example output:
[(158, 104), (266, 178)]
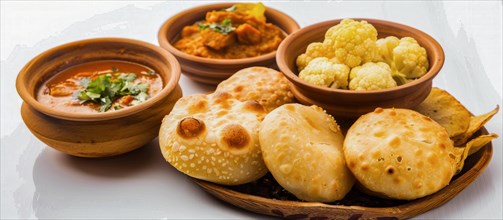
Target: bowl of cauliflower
[(351, 66)]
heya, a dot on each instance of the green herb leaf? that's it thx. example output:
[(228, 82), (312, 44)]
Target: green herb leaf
[(142, 96), (93, 95), (202, 26), (115, 69), (105, 104), (225, 27), (226, 22), (130, 77), (84, 82), (142, 87), (105, 89)]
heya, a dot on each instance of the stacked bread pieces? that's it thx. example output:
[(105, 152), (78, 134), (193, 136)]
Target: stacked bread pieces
[(215, 137), (247, 128)]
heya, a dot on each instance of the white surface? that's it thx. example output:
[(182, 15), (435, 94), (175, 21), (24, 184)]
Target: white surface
[(38, 182)]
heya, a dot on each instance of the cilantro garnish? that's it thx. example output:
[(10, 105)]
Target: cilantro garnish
[(105, 89), (225, 27)]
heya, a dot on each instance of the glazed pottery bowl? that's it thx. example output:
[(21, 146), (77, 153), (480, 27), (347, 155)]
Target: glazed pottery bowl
[(213, 71), (348, 103), (98, 134)]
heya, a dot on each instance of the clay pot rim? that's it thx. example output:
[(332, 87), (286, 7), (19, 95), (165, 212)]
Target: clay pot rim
[(165, 43), (435, 65), (171, 77)]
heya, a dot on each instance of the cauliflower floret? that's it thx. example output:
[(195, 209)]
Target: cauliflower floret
[(410, 59), (406, 58), (323, 72), (385, 48), (314, 50), (371, 76), (353, 42)]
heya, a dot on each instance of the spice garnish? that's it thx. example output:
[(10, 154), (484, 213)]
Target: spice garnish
[(224, 27), (106, 88)]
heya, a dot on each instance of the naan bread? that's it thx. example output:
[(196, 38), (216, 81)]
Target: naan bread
[(214, 138), (399, 153), (267, 86), (302, 148)]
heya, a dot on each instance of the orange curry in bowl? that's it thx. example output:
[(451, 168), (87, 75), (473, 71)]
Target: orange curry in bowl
[(237, 32), (100, 86)]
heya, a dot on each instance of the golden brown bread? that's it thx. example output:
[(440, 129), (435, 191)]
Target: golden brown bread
[(214, 138), (302, 148), (445, 110), (399, 153), (267, 86)]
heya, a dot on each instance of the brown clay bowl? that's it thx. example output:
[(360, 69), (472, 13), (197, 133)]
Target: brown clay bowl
[(266, 197), (106, 133), (213, 71), (348, 103)]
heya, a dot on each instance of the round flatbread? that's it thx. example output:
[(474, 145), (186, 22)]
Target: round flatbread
[(302, 148), (399, 153), (267, 86), (214, 138)]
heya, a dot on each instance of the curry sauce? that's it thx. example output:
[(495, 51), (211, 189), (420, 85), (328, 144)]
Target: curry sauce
[(231, 34), (100, 86)]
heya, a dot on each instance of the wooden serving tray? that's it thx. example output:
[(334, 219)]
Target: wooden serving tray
[(266, 196)]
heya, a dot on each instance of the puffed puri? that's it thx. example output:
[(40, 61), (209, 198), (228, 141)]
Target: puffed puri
[(399, 154), (302, 148), (214, 138), (268, 86)]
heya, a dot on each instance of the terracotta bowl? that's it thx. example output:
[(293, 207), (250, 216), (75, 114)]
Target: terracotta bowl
[(98, 134), (213, 71), (348, 103)]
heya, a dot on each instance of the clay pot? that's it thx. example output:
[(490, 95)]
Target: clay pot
[(213, 71), (348, 103), (98, 134)]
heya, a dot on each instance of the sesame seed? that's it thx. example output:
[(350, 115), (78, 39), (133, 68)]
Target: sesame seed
[(184, 158), (182, 148)]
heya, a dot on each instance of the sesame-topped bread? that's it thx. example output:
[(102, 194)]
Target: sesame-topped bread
[(399, 154), (267, 86), (302, 147), (214, 138)]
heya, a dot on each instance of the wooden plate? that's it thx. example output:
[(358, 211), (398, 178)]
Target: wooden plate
[(265, 196)]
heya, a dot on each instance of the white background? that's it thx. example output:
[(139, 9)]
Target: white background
[(38, 182)]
